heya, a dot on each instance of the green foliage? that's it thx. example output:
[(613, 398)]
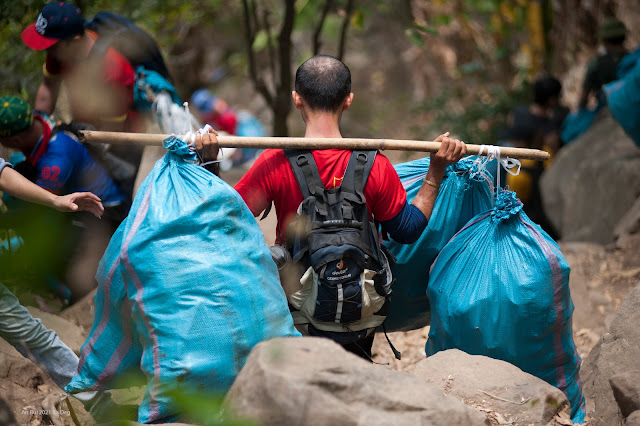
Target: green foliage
[(204, 409), (481, 92), (166, 20), (196, 406), (20, 68), (478, 122)]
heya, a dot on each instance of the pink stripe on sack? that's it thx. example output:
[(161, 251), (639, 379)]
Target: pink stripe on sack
[(104, 320), (578, 381), (154, 412), (121, 351), (407, 183), (556, 272)]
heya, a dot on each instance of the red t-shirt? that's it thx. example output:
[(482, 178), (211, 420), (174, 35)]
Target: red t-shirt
[(271, 179), (98, 99)]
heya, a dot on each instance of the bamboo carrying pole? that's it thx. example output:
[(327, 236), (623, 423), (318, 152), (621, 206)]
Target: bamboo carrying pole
[(141, 139)]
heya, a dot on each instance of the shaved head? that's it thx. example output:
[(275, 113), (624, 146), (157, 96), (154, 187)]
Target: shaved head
[(323, 82)]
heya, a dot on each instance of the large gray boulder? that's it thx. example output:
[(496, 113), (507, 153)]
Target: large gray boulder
[(633, 419), (626, 390), (302, 381), (617, 352), (493, 386), (592, 183)]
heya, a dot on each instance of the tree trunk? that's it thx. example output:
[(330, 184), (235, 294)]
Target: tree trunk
[(281, 110)]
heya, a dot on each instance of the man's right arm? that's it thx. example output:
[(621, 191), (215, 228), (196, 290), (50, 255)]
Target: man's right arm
[(14, 184), (587, 85), (403, 221), (451, 151)]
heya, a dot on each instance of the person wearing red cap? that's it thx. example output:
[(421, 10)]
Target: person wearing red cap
[(101, 90)]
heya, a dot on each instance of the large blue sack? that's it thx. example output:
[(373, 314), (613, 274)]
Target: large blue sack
[(187, 288), (577, 123), (465, 191), (627, 63), (500, 288), (623, 97)]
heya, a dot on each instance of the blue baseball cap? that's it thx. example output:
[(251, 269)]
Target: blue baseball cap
[(203, 100), (57, 21)]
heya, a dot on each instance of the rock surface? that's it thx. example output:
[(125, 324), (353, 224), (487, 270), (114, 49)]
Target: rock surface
[(25, 387), (82, 312), (630, 222), (626, 390), (592, 183), (493, 386), (299, 381), (633, 419), (618, 351)]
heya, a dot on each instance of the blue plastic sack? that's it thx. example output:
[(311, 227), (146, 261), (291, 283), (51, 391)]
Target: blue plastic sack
[(113, 348), (249, 125), (627, 63), (500, 288), (623, 97), (190, 269), (464, 193), (11, 243), (577, 123), (153, 81)]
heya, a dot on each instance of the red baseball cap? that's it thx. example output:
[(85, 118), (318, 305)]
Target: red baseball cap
[(57, 21)]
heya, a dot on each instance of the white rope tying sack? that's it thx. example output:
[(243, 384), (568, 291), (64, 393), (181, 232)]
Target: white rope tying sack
[(171, 117), (190, 139), (493, 153)]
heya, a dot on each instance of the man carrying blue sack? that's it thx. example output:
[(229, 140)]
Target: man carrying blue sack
[(344, 310)]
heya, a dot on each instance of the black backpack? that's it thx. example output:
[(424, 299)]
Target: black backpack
[(346, 281), (131, 41)]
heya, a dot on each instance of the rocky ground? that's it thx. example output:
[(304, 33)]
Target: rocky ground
[(600, 279)]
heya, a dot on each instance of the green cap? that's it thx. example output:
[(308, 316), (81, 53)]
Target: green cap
[(612, 28), (15, 116)]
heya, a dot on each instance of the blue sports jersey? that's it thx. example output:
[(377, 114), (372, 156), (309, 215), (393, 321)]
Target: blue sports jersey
[(67, 166)]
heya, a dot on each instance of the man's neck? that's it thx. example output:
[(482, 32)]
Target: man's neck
[(35, 133), (323, 125), (31, 138), (83, 47)]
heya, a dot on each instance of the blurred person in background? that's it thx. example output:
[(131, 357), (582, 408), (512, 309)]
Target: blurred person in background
[(221, 116), (27, 334), (101, 62), (603, 68), (545, 114), (70, 248)]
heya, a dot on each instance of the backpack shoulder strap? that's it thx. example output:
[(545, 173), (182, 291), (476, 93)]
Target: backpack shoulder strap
[(306, 172), (130, 40), (102, 24), (357, 173)]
